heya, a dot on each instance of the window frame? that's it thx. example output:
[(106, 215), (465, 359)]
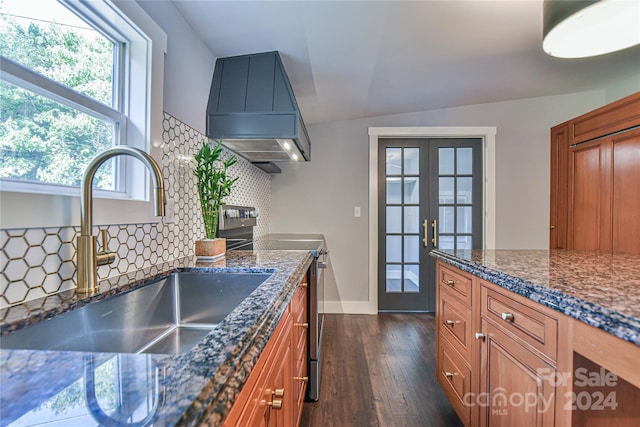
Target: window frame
[(40, 85), (139, 122)]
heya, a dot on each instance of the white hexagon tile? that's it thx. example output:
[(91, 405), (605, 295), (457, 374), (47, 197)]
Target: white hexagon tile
[(42, 261)]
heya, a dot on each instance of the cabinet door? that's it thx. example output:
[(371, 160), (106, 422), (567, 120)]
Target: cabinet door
[(515, 390), (589, 219), (281, 378), (626, 192), (269, 402)]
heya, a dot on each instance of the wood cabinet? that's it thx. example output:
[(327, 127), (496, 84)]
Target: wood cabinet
[(518, 354), (454, 338), (495, 353), (505, 360), (589, 197), (265, 398), (595, 175), (274, 393)]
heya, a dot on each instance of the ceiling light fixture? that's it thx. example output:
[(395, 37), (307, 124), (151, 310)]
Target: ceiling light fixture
[(579, 29)]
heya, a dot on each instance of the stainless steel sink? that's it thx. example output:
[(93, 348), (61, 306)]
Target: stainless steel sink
[(168, 316)]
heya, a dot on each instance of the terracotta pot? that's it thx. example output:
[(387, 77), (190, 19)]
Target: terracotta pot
[(211, 248)]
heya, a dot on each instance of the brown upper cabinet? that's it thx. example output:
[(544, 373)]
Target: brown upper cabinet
[(595, 180)]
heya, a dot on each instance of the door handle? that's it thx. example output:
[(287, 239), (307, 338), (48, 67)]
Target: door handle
[(434, 226), (425, 225)]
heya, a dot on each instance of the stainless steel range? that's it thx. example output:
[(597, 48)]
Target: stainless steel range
[(236, 224), (315, 244)]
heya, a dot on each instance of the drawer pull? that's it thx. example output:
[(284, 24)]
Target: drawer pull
[(507, 316), (302, 325), (480, 336), (303, 285), (449, 375), (451, 283), (279, 392), (449, 322), (303, 379), (275, 404)]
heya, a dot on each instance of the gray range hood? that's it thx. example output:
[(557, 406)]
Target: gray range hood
[(253, 110)]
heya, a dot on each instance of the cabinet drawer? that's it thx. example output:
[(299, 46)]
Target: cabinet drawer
[(455, 323), (454, 377), (455, 281), (530, 325)]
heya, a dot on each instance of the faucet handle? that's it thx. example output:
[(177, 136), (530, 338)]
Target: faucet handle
[(104, 257)]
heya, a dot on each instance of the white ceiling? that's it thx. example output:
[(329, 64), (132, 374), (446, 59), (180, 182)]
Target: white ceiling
[(352, 59)]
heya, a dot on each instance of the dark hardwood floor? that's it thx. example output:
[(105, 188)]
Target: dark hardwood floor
[(379, 371)]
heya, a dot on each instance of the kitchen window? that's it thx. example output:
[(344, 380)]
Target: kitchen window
[(75, 79)]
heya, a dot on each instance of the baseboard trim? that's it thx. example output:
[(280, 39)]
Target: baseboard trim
[(346, 307)]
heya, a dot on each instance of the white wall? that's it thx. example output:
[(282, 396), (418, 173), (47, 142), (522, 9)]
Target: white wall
[(188, 68), (320, 196), (622, 87)]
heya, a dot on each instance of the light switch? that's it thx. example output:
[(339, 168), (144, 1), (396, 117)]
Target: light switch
[(357, 212)]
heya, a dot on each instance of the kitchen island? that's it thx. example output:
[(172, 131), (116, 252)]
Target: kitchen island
[(532, 325), (199, 386)]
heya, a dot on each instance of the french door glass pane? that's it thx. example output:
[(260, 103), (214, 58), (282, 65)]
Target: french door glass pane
[(465, 161), (446, 219), (445, 161), (464, 242), (394, 278), (445, 190), (465, 221), (445, 242), (411, 189), (394, 248), (411, 219), (412, 278), (464, 190), (411, 248), (394, 219), (394, 196), (394, 161), (411, 161)]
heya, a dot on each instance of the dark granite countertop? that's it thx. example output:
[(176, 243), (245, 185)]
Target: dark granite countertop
[(599, 289), (40, 387)]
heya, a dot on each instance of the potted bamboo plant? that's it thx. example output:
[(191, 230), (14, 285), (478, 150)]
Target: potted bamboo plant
[(213, 186)]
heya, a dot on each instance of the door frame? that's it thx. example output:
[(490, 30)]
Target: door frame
[(488, 136)]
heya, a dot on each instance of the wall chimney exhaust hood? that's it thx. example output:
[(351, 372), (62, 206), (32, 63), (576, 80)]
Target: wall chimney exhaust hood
[(253, 110)]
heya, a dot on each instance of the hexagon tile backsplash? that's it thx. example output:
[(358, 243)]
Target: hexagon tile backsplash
[(35, 262)]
